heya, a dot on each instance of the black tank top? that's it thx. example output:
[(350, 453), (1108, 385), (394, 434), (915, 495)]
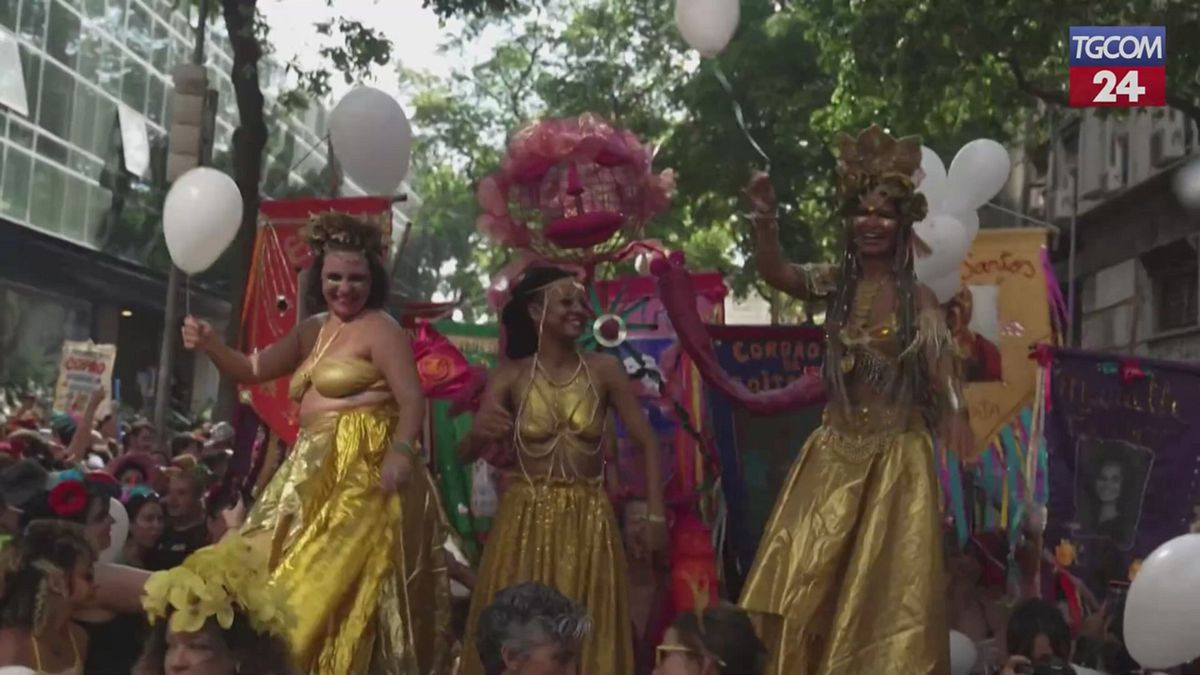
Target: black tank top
[(114, 645)]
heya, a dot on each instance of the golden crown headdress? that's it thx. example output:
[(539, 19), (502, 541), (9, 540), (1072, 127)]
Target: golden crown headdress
[(343, 230), (873, 164), (215, 582)]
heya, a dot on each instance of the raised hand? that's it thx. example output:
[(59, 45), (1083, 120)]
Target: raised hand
[(197, 333), (760, 193)]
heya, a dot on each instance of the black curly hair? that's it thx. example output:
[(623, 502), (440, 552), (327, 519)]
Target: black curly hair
[(520, 330)]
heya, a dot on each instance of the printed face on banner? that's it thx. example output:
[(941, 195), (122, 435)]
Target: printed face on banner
[(1110, 484), (974, 318)]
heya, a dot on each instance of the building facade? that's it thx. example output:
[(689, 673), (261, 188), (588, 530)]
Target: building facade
[(1137, 267), (85, 97)]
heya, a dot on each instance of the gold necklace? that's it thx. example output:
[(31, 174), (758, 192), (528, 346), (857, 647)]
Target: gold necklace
[(864, 301)]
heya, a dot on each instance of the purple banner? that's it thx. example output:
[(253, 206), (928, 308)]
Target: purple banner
[(1123, 438)]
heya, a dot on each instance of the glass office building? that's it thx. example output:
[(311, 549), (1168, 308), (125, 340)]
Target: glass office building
[(82, 173)]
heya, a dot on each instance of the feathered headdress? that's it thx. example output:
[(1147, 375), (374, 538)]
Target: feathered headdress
[(874, 165), (216, 582), (341, 230)]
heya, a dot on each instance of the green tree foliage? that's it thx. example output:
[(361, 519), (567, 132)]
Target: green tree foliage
[(948, 70)]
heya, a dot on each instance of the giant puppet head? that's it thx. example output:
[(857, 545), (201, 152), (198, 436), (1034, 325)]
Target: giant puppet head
[(572, 190)]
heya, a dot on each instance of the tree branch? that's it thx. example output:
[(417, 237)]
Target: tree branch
[(1051, 96)]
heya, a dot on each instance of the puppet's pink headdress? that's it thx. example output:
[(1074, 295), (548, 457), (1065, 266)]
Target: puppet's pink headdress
[(567, 186)]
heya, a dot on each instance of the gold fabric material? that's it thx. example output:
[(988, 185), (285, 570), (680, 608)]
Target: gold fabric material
[(575, 407), (364, 572), (336, 377), (848, 577), (562, 534)]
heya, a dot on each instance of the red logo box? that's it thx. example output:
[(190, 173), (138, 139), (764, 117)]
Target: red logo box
[(1118, 87)]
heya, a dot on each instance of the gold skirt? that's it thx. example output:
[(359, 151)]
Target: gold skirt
[(363, 570), (563, 535), (848, 576)]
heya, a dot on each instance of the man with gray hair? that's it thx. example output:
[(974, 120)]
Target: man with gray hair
[(531, 629)]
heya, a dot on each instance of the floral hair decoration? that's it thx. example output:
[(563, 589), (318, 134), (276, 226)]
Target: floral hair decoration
[(216, 582), (333, 228), (68, 499)]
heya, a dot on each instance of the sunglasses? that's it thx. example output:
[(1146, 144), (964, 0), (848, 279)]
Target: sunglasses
[(661, 653)]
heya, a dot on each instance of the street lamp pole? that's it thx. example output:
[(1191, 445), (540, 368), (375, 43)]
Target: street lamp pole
[(166, 352)]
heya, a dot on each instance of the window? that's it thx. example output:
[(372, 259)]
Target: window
[(105, 125), (133, 87), (46, 210), (83, 109), (155, 100), (51, 149), (14, 197), (62, 35), (31, 63), (8, 15), (1175, 278), (20, 134), (161, 48), (33, 21), (74, 209), (114, 17), (99, 204), (93, 9), (140, 34), (58, 90)]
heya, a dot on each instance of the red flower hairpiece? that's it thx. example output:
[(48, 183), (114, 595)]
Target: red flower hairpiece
[(68, 499)]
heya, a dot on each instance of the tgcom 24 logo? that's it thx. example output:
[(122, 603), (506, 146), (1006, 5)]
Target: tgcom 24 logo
[(1118, 66)]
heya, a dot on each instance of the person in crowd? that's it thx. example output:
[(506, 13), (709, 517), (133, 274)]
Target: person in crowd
[(715, 641), (236, 623), (141, 437), (185, 444), (134, 469), (186, 529), (1038, 637), (863, 485), (531, 629), (82, 502), (146, 526), (366, 543), (20, 483), (550, 402), (218, 450), (47, 575), (31, 444)]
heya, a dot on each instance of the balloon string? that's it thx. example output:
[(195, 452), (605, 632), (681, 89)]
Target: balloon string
[(737, 113), (187, 296)]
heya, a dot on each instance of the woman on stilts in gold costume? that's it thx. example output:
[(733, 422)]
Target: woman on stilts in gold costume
[(848, 576), (351, 519), (556, 525)]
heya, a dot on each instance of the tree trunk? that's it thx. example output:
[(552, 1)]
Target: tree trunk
[(249, 141)]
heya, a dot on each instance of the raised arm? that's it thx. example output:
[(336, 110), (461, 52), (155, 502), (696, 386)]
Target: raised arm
[(274, 362), (82, 440), (494, 421), (392, 354), (803, 282), (622, 398)]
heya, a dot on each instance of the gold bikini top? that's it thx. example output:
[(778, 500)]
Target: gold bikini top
[(335, 376), (560, 420)]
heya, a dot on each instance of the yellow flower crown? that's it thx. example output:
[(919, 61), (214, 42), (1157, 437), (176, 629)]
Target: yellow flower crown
[(334, 228), (215, 582)]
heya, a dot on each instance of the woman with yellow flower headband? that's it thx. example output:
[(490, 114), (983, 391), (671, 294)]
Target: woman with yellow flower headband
[(351, 519), (218, 614), (549, 405), (848, 576)]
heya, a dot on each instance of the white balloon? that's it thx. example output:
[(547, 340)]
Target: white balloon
[(945, 287), (970, 223), (200, 218), (947, 238), (963, 654), (372, 139), (707, 25), (933, 184), (120, 531), (1162, 612), (977, 173), (1187, 185)]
